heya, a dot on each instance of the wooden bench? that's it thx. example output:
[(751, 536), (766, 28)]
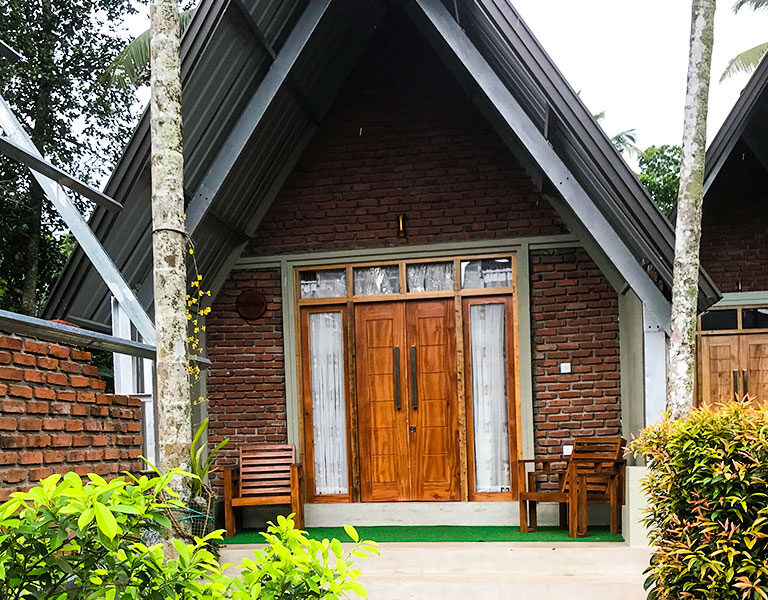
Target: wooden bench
[(594, 472), (266, 475)]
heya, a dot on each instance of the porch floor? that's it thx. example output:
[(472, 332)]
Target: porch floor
[(503, 570)]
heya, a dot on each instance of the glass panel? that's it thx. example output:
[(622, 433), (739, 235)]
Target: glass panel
[(714, 320), (326, 356), (327, 283), (486, 273), (754, 318), (489, 397), (377, 280), (429, 277)]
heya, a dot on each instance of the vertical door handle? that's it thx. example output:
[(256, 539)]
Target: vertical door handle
[(745, 381), (735, 383), (396, 365), (414, 380)]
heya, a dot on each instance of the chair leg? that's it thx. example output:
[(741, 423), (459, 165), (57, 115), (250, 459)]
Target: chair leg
[(229, 513), (534, 515), (523, 516), (581, 529), (563, 506), (615, 507), (297, 506), (573, 508)]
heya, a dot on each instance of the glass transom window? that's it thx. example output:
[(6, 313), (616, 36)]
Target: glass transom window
[(486, 273), (429, 277), (370, 281), (327, 283)]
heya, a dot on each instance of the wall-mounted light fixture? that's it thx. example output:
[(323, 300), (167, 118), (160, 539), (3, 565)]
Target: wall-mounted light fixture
[(400, 225)]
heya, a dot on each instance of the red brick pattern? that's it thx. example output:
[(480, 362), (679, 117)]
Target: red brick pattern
[(575, 318), (246, 387), (403, 139), (54, 416)]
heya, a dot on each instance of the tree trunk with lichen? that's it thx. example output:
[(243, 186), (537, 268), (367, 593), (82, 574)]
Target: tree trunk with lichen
[(682, 342), (169, 242)]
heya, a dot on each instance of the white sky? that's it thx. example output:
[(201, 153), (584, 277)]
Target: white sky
[(629, 58)]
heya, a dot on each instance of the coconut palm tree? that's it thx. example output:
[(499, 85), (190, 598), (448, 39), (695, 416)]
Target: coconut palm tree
[(624, 141), (747, 61), (130, 68)]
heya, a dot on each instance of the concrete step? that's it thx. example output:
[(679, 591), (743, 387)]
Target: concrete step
[(509, 571)]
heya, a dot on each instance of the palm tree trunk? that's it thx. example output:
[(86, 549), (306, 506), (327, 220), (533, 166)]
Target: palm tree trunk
[(682, 343), (169, 241)]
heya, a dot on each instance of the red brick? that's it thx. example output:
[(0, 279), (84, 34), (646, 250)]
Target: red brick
[(11, 374), (40, 408), (35, 347), (27, 424), (73, 425), (58, 351), (30, 458), (15, 475), (20, 391), (77, 381), (24, 359), (9, 458), (57, 378), (5, 358), (13, 406), (90, 370), (53, 424), (47, 363), (9, 343), (44, 393), (34, 376), (80, 355), (7, 423)]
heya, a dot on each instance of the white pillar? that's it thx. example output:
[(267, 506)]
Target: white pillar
[(655, 359)]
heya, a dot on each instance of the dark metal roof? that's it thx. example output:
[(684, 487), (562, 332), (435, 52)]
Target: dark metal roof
[(748, 119), (227, 56)]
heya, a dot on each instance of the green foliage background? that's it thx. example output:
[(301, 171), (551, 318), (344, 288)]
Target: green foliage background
[(78, 124)]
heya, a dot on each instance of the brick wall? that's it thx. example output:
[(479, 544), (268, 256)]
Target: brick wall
[(734, 233), (246, 386), (54, 416), (575, 318), (403, 138)]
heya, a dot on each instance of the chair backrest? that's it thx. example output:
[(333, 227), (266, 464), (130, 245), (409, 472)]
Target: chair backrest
[(265, 469), (595, 458)]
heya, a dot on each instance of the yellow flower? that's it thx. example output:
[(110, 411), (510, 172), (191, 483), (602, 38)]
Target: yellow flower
[(191, 250)]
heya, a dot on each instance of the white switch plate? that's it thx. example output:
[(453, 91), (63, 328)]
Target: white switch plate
[(567, 450), (565, 367)]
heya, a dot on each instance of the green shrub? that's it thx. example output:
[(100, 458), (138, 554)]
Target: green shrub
[(69, 540), (708, 504)]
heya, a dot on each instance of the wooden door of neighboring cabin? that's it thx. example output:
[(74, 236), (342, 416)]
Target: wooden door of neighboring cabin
[(406, 396), (719, 368), (754, 366)]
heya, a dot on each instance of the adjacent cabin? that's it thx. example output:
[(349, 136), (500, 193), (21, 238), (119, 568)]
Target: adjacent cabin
[(733, 336), (426, 260)]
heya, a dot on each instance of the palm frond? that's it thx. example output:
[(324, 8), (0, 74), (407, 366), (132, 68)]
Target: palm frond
[(746, 62), (625, 141), (130, 68), (754, 4)]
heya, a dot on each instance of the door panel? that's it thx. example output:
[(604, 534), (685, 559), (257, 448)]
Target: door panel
[(754, 352), (383, 435), (433, 434), (719, 362)]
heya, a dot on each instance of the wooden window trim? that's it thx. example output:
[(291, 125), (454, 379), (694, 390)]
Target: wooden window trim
[(306, 394), (513, 396)]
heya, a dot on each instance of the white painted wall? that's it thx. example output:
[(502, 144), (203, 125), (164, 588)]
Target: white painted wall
[(655, 359)]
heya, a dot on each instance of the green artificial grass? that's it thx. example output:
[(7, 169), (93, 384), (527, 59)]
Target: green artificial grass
[(442, 533)]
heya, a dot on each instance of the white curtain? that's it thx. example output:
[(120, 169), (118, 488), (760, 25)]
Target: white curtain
[(324, 284), (377, 280), (326, 351), (486, 273), (489, 393), (429, 277)]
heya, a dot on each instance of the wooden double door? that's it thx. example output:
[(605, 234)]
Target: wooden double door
[(407, 400), (733, 366)]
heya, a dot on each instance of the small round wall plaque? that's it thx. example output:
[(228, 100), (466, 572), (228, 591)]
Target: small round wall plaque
[(251, 305)]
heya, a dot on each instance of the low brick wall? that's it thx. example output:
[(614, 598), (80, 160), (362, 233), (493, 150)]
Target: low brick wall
[(54, 416)]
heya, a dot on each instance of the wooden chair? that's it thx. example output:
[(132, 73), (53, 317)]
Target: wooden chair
[(594, 472), (267, 474)]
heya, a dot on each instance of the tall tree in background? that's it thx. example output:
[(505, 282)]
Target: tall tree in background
[(660, 174), (682, 343), (169, 240), (76, 123), (747, 61)]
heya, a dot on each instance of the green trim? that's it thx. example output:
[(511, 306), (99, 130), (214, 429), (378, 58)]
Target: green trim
[(442, 533), (526, 355), (730, 299), (292, 400), (401, 252)]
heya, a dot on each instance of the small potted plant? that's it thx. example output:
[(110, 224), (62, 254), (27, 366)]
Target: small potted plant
[(201, 503)]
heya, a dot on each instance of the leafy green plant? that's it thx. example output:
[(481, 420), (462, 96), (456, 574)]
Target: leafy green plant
[(68, 540), (200, 468), (72, 540), (708, 504), (294, 566)]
